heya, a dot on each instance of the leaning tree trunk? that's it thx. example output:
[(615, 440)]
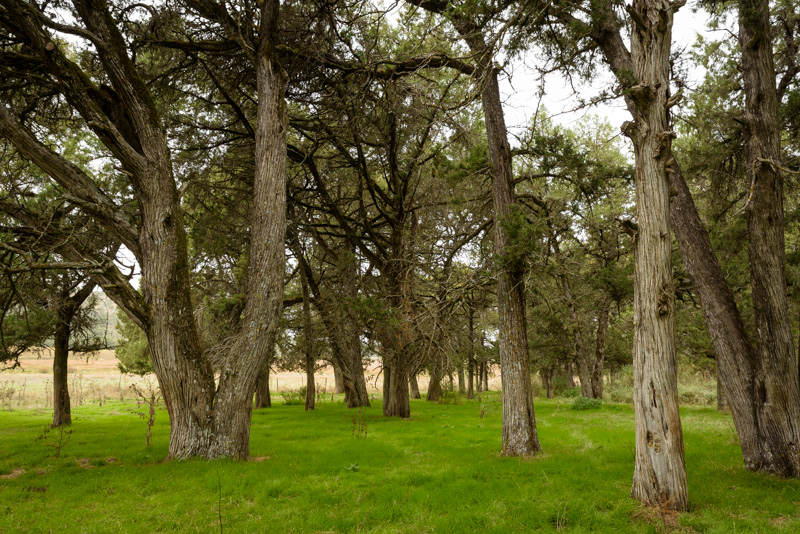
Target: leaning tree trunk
[(62, 414), (777, 396), (722, 400), (660, 472)]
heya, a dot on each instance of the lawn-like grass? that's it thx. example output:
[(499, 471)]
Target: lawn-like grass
[(439, 471)]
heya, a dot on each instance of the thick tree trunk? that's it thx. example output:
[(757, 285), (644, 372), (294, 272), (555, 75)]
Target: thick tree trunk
[(237, 382), (660, 472), (569, 375), (62, 414), (600, 348), (396, 399), (777, 396), (263, 397)]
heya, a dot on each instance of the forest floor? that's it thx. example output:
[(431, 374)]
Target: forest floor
[(339, 470)]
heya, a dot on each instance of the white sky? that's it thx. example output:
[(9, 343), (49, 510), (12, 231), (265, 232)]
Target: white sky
[(520, 92)]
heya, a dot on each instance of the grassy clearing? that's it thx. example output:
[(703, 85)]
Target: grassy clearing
[(316, 472)]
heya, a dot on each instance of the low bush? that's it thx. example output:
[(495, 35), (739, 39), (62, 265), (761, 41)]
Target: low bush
[(571, 393), (585, 403), (294, 397)]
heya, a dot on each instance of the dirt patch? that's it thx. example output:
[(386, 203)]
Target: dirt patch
[(658, 515), (259, 459), (86, 463), (16, 473)]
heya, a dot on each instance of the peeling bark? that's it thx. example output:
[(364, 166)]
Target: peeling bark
[(660, 471)]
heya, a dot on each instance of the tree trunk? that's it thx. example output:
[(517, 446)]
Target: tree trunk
[(485, 375), (396, 391), (569, 375), (414, 386), (600, 348), (722, 400), (582, 358), (777, 395), (462, 388), (237, 382), (659, 478), (263, 398), (311, 389), (471, 354), (62, 414), (547, 381), (338, 380), (435, 383), (735, 356)]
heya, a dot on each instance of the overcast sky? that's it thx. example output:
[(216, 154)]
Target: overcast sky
[(520, 90)]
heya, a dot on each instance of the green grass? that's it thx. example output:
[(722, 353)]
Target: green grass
[(437, 472)]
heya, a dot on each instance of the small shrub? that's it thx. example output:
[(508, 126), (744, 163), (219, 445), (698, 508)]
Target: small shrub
[(297, 397), (571, 393), (448, 396), (147, 395), (57, 441), (585, 403)]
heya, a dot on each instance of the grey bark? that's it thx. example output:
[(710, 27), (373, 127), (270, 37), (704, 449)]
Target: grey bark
[(777, 396), (659, 477)]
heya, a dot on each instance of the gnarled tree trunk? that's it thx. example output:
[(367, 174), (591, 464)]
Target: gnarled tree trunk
[(659, 477), (777, 396)]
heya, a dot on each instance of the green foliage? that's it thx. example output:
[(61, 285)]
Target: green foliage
[(25, 328), (294, 397), (585, 403), (570, 393), (132, 351)]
